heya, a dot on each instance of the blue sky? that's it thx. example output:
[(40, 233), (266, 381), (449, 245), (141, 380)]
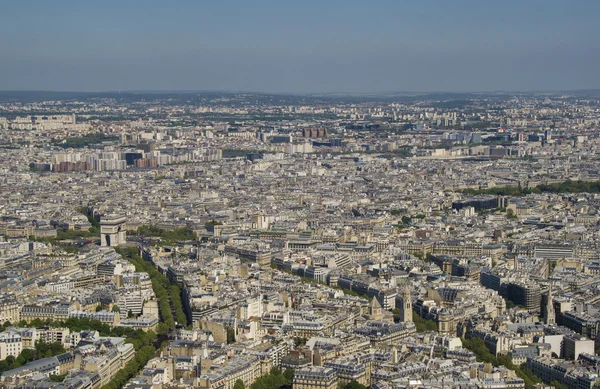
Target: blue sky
[(300, 46)]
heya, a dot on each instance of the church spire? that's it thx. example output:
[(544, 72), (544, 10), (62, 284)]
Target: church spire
[(406, 309), (550, 316)]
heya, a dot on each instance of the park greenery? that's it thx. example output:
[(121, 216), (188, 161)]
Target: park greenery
[(66, 235), (405, 221), (234, 153), (423, 325), (167, 236), (483, 354), (84, 140), (77, 234), (500, 191), (568, 186)]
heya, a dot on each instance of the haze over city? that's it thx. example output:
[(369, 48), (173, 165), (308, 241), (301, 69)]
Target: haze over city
[(300, 46)]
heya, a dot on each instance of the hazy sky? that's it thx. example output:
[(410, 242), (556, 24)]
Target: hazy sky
[(300, 45)]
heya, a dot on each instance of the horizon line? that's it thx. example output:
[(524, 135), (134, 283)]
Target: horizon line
[(341, 93)]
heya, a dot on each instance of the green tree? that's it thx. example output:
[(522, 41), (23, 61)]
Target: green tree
[(558, 385), (49, 349), (239, 384), (37, 323), (28, 354), (355, 385), (299, 342), (57, 378), (230, 335), (3, 366), (275, 371), (20, 360), (483, 355), (289, 375), (424, 325)]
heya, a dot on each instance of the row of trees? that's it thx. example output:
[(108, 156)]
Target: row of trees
[(84, 140), (175, 294), (74, 235), (484, 355), (145, 346), (422, 324), (501, 191), (142, 356), (175, 235), (167, 294), (138, 338), (568, 186), (42, 350), (142, 342)]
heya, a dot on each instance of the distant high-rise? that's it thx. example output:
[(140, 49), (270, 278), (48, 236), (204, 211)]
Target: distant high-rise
[(476, 137), (314, 132)]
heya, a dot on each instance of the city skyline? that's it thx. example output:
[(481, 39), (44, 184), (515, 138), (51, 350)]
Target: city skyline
[(230, 241), (300, 47)]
